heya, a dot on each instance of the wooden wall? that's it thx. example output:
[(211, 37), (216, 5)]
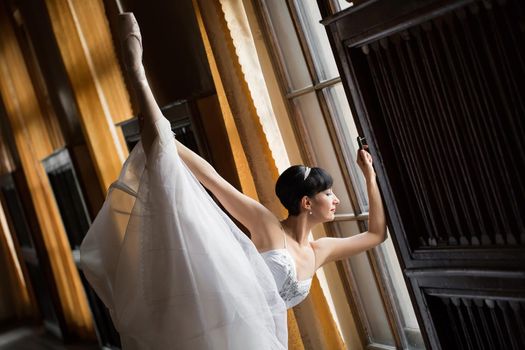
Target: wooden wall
[(41, 117)]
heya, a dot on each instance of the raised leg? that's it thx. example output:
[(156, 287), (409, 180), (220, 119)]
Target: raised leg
[(131, 42)]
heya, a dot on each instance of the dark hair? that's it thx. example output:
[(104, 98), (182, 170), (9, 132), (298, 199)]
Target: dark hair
[(291, 186)]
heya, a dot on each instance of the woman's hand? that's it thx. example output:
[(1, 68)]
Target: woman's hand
[(364, 160)]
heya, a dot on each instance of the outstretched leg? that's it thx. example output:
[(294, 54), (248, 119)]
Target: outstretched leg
[(131, 42)]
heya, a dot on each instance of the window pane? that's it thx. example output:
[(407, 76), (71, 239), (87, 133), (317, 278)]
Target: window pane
[(339, 108), (308, 107), (401, 298), (344, 4), (290, 49), (317, 39), (342, 116), (367, 289)]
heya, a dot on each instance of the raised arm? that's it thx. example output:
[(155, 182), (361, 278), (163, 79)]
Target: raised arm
[(246, 210), (331, 249)]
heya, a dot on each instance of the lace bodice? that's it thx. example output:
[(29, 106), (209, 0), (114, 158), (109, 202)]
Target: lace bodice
[(284, 271)]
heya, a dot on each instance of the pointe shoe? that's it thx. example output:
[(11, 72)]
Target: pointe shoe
[(131, 43)]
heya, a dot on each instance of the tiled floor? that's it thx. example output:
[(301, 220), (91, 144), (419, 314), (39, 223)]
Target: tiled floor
[(28, 338)]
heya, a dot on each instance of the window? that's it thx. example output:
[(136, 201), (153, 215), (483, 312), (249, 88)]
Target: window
[(325, 127), (183, 124), (69, 198)]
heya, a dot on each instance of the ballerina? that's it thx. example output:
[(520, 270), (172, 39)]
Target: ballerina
[(175, 271)]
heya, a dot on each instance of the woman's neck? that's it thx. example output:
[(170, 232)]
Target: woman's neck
[(298, 227)]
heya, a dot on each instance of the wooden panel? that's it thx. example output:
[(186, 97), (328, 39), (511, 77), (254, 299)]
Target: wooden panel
[(27, 125), (6, 160), (22, 302), (489, 314), (436, 99), (436, 87), (480, 322), (33, 125), (82, 34), (97, 39), (447, 115), (50, 126)]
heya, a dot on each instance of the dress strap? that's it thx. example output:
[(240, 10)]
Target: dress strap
[(284, 239)]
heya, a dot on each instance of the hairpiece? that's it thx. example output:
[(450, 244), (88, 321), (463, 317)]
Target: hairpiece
[(307, 172)]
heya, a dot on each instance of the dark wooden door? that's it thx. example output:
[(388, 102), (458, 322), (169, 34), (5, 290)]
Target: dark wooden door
[(437, 88)]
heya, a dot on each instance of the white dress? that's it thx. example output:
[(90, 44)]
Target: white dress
[(173, 269)]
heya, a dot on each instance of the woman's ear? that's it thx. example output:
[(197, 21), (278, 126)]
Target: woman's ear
[(306, 203)]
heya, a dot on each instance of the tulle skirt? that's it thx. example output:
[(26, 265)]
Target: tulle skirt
[(173, 269)]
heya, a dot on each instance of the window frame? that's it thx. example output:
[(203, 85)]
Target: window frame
[(376, 257)]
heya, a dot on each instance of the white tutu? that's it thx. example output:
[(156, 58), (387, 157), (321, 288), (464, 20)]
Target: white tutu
[(173, 269)]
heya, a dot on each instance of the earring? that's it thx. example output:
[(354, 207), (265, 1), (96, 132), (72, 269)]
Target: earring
[(310, 213)]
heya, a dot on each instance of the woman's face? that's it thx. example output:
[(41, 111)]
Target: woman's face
[(323, 205)]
